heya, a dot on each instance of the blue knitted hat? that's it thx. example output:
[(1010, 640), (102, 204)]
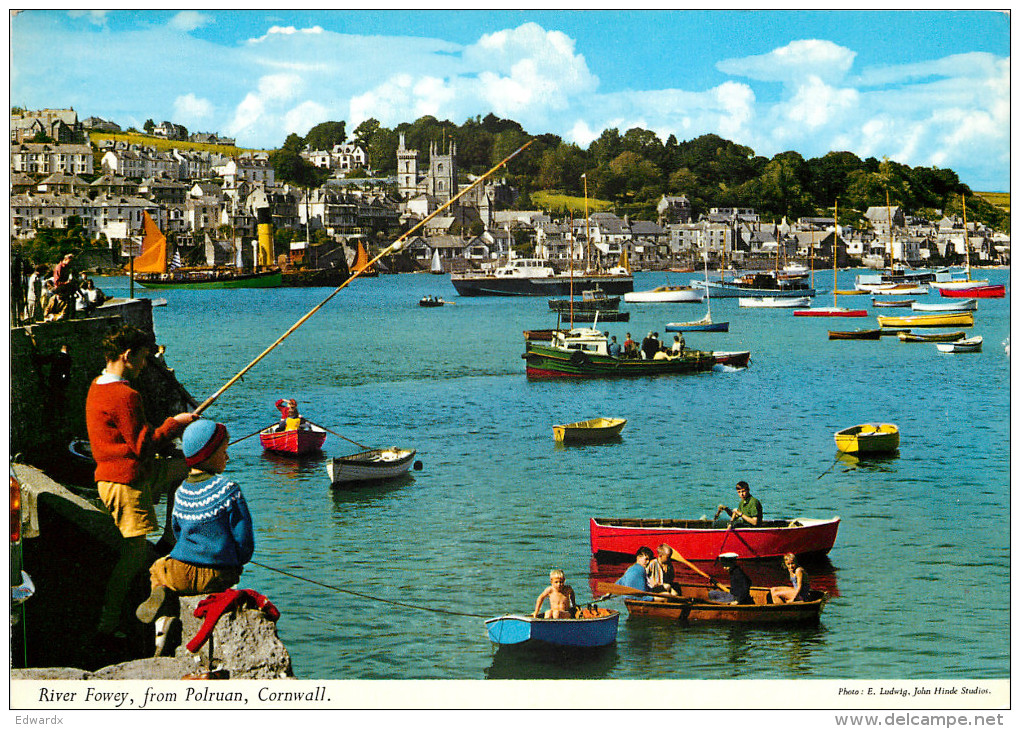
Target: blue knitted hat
[(201, 439)]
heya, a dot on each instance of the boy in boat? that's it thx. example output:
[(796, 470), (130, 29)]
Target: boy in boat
[(636, 575), (290, 419), (213, 527), (660, 571), (129, 476), (562, 603), (740, 583), (748, 511)]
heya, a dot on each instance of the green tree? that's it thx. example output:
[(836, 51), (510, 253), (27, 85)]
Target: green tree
[(291, 167), (326, 135), (149, 126)]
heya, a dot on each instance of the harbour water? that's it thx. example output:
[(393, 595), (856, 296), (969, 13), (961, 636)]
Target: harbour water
[(919, 574)]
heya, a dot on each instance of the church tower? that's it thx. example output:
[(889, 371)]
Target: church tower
[(441, 182), (407, 170)]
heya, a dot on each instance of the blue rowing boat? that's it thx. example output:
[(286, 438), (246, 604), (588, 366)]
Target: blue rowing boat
[(594, 627)]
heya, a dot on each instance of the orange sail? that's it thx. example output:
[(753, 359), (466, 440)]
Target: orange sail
[(362, 260), (152, 259)]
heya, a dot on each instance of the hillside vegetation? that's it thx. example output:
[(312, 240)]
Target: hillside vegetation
[(559, 203), (998, 199), (165, 145)]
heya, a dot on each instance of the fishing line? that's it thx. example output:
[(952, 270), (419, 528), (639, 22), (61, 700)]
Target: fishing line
[(366, 597)]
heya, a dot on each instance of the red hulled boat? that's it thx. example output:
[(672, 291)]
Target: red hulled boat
[(306, 439), (982, 291), (702, 539)]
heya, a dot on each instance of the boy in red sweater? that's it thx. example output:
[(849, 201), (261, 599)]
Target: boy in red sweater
[(128, 474)]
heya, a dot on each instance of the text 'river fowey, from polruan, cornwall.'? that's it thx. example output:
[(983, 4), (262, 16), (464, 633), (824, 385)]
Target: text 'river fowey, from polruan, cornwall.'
[(918, 578)]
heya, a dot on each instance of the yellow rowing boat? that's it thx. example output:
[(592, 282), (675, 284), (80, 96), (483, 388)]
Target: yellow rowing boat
[(589, 431), (948, 319), (869, 438)]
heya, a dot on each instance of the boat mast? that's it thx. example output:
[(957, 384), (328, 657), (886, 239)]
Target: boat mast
[(966, 234), (708, 293), (587, 237), (888, 215), (571, 269), (835, 248)]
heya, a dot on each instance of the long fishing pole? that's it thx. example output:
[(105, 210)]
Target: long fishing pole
[(394, 247)]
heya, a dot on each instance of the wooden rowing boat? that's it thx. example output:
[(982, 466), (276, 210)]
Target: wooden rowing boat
[(857, 334), (868, 438), (961, 305), (961, 346), (306, 439), (593, 627), (947, 319), (589, 431), (703, 539), (772, 302), (938, 337), (892, 303), (371, 465), (696, 605)]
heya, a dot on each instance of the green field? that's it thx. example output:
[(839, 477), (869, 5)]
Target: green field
[(165, 145), (998, 199), (556, 202)]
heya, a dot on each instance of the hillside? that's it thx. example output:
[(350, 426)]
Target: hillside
[(998, 199), (165, 145)]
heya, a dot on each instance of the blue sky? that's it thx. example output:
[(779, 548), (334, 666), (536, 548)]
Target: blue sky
[(922, 88)]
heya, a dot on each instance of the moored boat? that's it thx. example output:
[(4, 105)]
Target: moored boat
[(857, 334), (370, 465), (211, 278), (306, 439), (762, 283), (599, 315), (961, 305), (984, 291), (695, 604), (894, 289), (961, 346), (947, 319), (664, 294), (583, 353), (892, 303), (934, 337), (536, 277), (589, 431), (594, 627), (868, 438), (705, 324), (430, 301), (591, 300), (703, 539), (836, 311), (772, 302)]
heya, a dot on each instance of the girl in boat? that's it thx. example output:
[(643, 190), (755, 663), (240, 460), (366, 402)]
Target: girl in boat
[(800, 586), (290, 419)]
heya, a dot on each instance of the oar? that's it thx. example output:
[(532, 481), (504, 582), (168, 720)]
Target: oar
[(680, 557), (250, 435), (615, 589), (394, 247), (364, 447)]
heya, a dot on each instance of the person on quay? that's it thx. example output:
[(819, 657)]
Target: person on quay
[(636, 575), (129, 475), (800, 586), (614, 348), (660, 573), (562, 601), (748, 511), (213, 530), (35, 302), (64, 286), (740, 583)]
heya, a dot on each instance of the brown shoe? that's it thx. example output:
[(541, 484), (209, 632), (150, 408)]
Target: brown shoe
[(148, 610)]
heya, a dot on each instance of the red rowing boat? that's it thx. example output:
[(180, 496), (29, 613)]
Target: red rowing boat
[(305, 439), (702, 539), (996, 291)]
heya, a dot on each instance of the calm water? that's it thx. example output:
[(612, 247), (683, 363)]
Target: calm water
[(920, 570)]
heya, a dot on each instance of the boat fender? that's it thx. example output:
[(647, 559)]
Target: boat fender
[(579, 358), (418, 465)]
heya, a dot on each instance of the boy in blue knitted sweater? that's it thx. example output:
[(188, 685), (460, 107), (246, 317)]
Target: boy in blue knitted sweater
[(212, 525)]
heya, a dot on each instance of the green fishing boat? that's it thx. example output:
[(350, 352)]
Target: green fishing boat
[(211, 279)]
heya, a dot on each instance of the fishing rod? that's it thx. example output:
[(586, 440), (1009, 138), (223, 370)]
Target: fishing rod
[(394, 247)]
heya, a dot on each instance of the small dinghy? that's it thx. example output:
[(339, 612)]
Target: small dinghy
[(306, 439), (856, 334), (371, 465), (938, 337), (589, 431), (893, 304), (593, 627), (868, 438), (430, 301), (961, 346)]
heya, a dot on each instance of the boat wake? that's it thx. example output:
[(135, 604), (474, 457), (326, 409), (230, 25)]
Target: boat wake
[(727, 368)]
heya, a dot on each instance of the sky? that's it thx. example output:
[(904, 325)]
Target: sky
[(924, 88)]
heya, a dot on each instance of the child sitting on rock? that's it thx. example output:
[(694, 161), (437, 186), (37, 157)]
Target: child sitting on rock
[(213, 528)]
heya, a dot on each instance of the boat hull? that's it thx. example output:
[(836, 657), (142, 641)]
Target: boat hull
[(700, 539), (693, 326), (699, 608), (947, 337), (544, 362), (589, 431), (664, 296), (596, 627), (243, 281), (589, 316), (771, 302), (540, 286), (961, 305), (845, 313), (975, 292), (962, 346), (868, 439), (952, 319), (859, 334), (292, 442), (603, 303), (372, 465), (895, 304), (727, 290)]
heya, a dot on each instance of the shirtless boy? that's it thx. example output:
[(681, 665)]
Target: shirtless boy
[(562, 603)]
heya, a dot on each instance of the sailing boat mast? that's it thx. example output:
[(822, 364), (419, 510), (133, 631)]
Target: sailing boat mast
[(966, 234), (587, 237), (708, 292), (835, 249), (888, 215), (571, 269)]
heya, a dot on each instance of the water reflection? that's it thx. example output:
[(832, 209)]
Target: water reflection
[(608, 442), (291, 468), (538, 660), (355, 492), (876, 463)]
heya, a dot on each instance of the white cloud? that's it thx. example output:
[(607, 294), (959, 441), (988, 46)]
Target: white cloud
[(189, 108), (816, 104), (304, 116), (288, 30), (96, 17), (189, 20), (794, 62)]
